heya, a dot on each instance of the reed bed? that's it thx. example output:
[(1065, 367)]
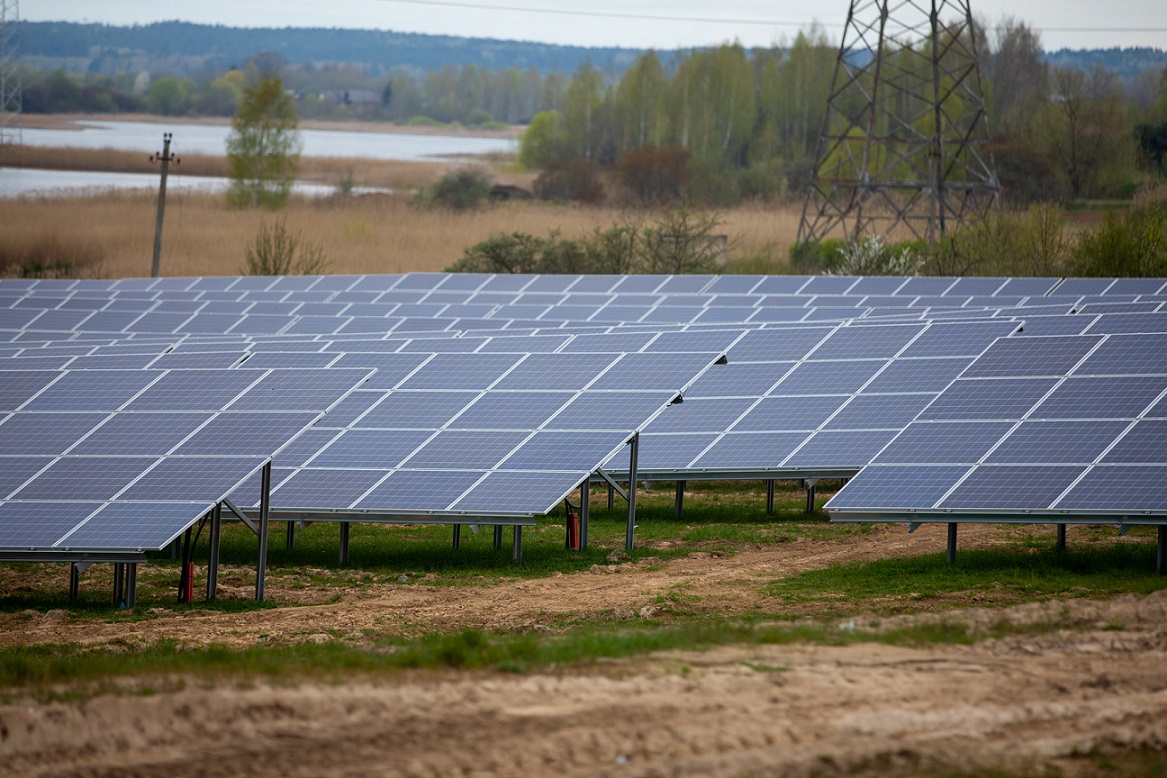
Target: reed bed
[(370, 234)]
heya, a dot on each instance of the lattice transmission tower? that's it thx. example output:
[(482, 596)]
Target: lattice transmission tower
[(905, 134), (10, 102)]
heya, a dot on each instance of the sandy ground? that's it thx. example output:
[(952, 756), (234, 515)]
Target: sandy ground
[(1093, 683)]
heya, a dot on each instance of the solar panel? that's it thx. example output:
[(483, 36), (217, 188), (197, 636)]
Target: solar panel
[(299, 390), (382, 449), (897, 487), (470, 449), (1009, 486), (141, 434), (191, 390), (840, 449), (45, 433), (700, 415), (149, 525), (887, 411), (1144, 443), (1127, 487), (511, 410), (1022, 357), (944, 443), (807, 413), (84, 478), (739, 379), (460, 371), (26, 525), (616, 411), (573, 451), (329, 489), (918, 375), (739, 451), (828, 377), (1004, 398), (1078, 397), (521, 492), (244, 434), (1039, 442), (92, 390)]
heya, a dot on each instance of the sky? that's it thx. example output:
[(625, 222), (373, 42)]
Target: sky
[(1078, 24)]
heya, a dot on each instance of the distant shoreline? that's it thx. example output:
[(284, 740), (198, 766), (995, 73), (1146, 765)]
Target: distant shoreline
[(67, 121)]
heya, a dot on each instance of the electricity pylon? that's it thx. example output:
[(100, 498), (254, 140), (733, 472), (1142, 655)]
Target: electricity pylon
[(905, 134), (10, 102)]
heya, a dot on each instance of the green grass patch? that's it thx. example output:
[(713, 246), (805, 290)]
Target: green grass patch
[(904, 584)]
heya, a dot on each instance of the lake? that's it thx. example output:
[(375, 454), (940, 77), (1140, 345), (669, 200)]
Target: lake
[(212, 139)]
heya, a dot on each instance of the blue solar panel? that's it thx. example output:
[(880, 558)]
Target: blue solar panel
[(752, 379), (1026, 357), (523, 492), (45, 433), (572, 451), (203, 479), (806, 412), (917, 375), (1011, 487), (15, 470), (751, 450), (379, 449), (419, 490), (18, 386), (193, 390), (146, 525), (963, 339), (944, 443), (1127, 487), (897, 487), (39, 524), (141, 434), (652, 371), (828, 377), (699, 415), (304, 446), (92, 390), (415, 410), (1009, 398), (871, 342), (1127, 354), (465, 450), (324, 489), (84, 478), (1057, 442), (461, 371), (246, 434), (556, 371), (622, 411), (1079, 398), (839, 449), (777, 345), (1118, 323), (879, 411), (1145, 443), (511, 410), (299, 390)]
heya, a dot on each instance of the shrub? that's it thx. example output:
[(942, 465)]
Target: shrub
[(816, 256), (461, 190), (1010, 243), (652, 176), (869, 256), (51, 257), (1131, 246), (578, 179), (684, 240), (278, 252)]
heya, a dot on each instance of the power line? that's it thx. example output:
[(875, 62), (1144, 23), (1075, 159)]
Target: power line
[(707, 19)]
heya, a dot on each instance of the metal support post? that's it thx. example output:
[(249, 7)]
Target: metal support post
[(497, 536), (769, 495), (131, 584), (810, 496), (585, 501), (633, 457), (174, 548), (74, 581), (119, 581), (680, 499), (1161, 552), (1061, 537), (344, 526), (951, 542), (517, 550), (213, 558), (290, 541), (264, 524), (611, 497), (457, 536)]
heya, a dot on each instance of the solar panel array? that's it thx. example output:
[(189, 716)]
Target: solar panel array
[(467, 394)]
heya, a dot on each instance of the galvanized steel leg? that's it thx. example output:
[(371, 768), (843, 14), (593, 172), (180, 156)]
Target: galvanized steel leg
[(611, 497), (131, 584), (291, 539), (517, 550), (264, 525), (1061, 537), (213, 561), (680, 499), (769, 495), (585, 502), (457, 536), (344, 543), (74, 581), (951, 542), (497, 536), (119, 580), (633, 456), (810, 496)]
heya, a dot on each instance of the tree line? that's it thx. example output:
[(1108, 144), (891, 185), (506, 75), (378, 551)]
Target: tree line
[(728, 123)]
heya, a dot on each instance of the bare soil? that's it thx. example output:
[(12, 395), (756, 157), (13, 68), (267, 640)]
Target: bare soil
[(1086, 695)]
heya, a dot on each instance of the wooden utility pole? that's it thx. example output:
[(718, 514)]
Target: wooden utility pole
[(165, 158)]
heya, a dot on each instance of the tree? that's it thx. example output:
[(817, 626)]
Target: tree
[(263, 149)]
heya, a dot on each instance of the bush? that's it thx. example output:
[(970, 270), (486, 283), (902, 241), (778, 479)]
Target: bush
[(1010, 243), (50, 257), (461, 190), (869, 256), (816, 256), (577, 180), (652, 176), (278, 252), (1131, 246)]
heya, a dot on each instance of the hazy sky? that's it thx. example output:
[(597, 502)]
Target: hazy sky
[(677, 23)]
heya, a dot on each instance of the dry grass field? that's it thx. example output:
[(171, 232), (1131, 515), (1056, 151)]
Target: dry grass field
[(111, 235)]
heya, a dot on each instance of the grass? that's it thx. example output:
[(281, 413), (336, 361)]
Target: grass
[(978, 577)]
